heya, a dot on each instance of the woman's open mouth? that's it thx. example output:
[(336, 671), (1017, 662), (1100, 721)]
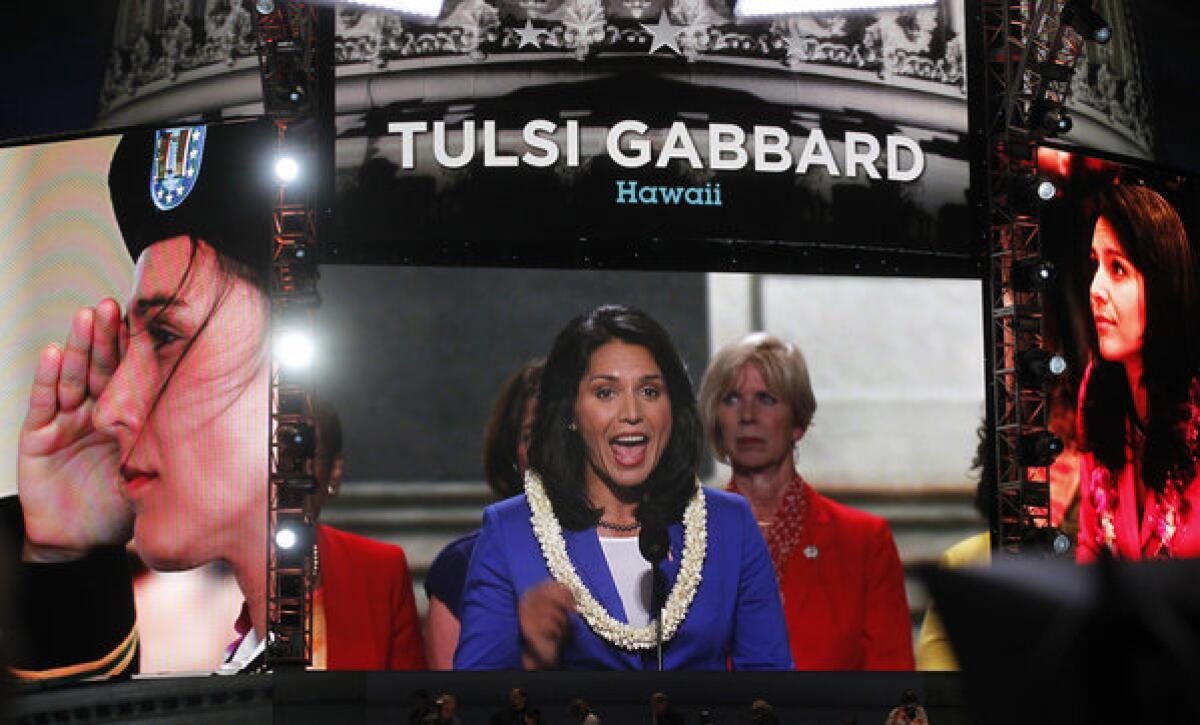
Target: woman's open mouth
[(629, 450)]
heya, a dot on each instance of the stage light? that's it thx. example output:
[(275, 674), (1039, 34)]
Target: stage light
[(1056, 365), (1028, 193), (1045, 189), (1040, 448), (286, 538), (427, 8), (300, 259), (775, 8), (294, 350), (296, 95), (1049, 118), (1032, 274), (287, 169), (1086, 21), (298, 252), (1046, 540), (265, 7), (1054, 121), (1036, 367), (296, 440), (1062, 543), (293, 539)]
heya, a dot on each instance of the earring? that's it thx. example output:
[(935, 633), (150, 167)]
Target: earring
[(331, 489), (572, 427)]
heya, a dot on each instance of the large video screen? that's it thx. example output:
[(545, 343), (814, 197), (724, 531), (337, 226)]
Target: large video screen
[(151, 417), (1121, 236), (1119, 264)]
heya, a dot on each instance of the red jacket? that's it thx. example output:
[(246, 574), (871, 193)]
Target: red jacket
[(371, 620), (1108, 507), (1128, 536), (843, 592)]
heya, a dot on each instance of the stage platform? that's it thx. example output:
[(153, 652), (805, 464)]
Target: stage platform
[(386, 697)]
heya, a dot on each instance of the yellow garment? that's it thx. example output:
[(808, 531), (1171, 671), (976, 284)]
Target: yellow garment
[(112, 664), (933, 646)]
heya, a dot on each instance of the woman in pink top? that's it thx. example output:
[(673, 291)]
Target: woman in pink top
[(1140, 401)]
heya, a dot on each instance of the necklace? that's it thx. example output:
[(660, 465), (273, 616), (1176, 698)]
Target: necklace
[(619, 527), (554, 549)]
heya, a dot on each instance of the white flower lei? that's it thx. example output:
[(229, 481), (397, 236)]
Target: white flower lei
[(549, 535)]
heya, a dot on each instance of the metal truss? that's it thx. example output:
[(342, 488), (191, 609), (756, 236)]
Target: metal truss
[(1029, 57), (288, 52)]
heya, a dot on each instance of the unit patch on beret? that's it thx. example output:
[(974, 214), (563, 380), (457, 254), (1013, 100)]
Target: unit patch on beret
[(176, 165)]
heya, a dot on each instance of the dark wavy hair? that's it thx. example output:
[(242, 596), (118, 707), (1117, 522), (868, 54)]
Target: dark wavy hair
[(1153, 237), (986, 489), (502, 436), (558, 454)]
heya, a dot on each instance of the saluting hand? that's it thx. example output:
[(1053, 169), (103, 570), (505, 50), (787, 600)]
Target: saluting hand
[(66, 469)]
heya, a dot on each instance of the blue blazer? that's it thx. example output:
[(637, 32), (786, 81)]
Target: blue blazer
[(736, 618)]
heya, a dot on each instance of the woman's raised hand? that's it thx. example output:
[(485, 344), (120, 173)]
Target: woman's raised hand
[(543, 613), (67, 471)]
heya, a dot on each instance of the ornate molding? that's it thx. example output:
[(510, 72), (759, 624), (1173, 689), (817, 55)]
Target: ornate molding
[(1108, 82), (922, 44), (177, 42), (147, 50), (170, 41)]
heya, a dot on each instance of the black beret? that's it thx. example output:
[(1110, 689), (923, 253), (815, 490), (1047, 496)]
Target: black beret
[(208, 182)]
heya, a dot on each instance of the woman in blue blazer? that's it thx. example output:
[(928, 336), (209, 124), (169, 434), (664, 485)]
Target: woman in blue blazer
[(557, 579)]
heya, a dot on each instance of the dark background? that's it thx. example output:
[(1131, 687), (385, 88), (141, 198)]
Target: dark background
[(52, 60)]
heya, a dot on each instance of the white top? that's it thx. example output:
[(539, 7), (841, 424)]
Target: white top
[(632, 575)]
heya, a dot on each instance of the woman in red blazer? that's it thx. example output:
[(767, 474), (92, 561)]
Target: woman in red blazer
[(840, 574), (365, 615), (367, 601)]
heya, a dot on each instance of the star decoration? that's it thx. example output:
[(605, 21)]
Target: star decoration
[(529, 35), (665, 34)]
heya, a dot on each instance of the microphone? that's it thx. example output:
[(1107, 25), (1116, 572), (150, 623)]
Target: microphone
[(653, 539), (654, 542)]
